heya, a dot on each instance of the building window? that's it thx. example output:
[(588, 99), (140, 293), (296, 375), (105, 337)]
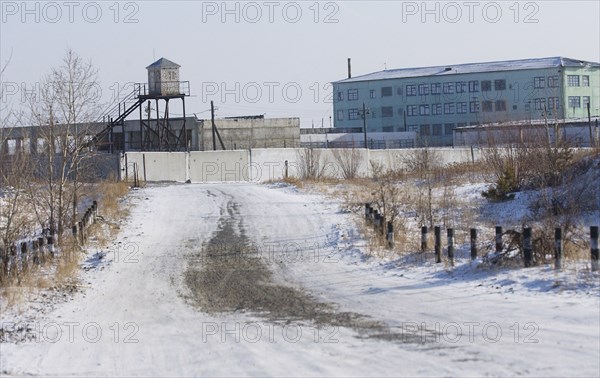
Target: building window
[(436, 109), (352, 114), (539, 103), (448, 88), (487, 106), (411, 90), (387, 111), (586, 101), (474, 86), (414, 128), (539, 82), (411, 110), (474, 106), (448, 128), (486, 85), (388, 129), (449, 108), (461, 107), (372, 93), (424, 130), (386, 91), (436, 88), (461, 86), (352, 94), (553, 81), (585, 81), (500, 85), (501, 105), (340, 96), (399, 91), (340, 115), (574, 102), (424, 110), (436, 129), (423, 89), (573, 80), (553, 103)]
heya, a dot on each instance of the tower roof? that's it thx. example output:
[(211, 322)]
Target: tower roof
[(163, 63)]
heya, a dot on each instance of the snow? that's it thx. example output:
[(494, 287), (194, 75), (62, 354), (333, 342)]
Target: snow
[(472, 320)]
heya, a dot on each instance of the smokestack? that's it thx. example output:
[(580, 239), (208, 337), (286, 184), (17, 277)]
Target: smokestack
[(349, 69)]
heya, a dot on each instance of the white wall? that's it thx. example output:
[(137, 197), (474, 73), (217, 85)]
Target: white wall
[(261, 165)]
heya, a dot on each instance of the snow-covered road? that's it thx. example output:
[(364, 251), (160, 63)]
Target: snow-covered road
[(137, 315)]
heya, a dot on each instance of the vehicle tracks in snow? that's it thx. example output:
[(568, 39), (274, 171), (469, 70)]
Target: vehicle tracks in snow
[(225, 276)]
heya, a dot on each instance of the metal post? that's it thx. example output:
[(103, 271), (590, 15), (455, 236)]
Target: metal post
[(498, 239), (558, 248), (594, 247), (423, 238), (473, 243), (367, 210), (286, 169), (438, 243), (527, 249)]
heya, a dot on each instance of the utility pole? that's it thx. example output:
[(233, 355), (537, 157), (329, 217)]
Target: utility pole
[(364, 113), (590, 124), (212, 120)]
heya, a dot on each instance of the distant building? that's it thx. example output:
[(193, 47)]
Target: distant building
[(433, 101)]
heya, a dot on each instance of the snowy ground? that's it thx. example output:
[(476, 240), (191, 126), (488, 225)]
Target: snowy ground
[(136, 315)]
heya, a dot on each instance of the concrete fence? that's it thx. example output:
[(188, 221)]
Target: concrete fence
[(260, 165)]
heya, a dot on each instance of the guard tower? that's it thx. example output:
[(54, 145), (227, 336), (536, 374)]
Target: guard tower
[(163, 85), (156, 134)]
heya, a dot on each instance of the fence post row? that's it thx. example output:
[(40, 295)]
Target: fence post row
[(423, 238)]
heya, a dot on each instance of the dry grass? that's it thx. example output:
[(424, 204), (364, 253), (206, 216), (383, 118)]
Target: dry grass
[(111, 193), (63, 270)]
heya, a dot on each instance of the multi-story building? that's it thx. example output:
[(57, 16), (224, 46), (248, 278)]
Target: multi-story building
[(433, 101)]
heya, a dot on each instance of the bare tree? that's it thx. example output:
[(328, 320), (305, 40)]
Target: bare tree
[(348, 160), (64, 113), (423, 162), (309, 163)]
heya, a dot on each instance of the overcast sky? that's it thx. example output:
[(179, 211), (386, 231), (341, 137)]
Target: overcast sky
[(278, 57)]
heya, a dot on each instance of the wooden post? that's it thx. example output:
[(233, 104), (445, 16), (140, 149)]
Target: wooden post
[(81, 233), (438, 244), (390, 235), (74, 231), (423, 238), (377, 219), (594, 247), (558, 248), (527, 248), (451, 246), (473, 243), (498, 239), (286, 169), (367, 211)]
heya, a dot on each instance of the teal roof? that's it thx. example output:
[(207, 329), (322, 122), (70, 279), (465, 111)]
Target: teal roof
[(453, 69)]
